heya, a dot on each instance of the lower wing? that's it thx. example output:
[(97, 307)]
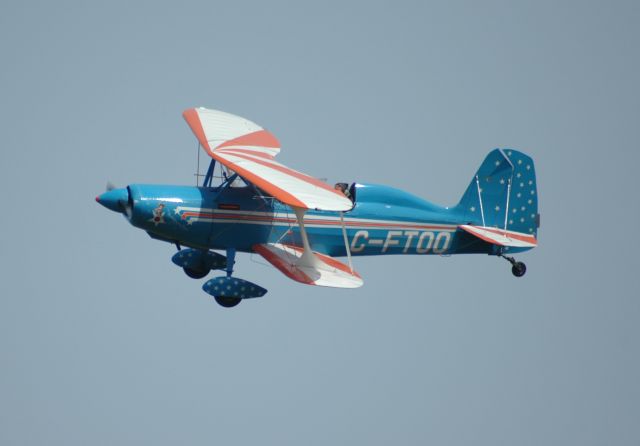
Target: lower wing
[(317, 269)]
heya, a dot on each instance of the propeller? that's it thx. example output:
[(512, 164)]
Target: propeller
[(117, 200), (128, 205)]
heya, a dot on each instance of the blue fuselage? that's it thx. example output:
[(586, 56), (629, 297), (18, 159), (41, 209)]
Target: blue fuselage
[(383, 220)]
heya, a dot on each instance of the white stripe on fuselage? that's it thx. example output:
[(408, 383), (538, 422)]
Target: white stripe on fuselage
[(365, 223)]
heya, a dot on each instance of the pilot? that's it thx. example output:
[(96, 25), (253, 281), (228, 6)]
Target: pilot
[(343, 187)]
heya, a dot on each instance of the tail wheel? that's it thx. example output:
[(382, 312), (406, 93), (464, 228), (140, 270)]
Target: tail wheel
[(518, 269), (195, 273), (227, 302)]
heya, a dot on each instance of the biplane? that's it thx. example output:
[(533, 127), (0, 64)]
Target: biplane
[(301, 225)]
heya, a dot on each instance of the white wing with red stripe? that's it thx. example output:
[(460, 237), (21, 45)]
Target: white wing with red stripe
[(322, 270), (249, 150), (501, 237)]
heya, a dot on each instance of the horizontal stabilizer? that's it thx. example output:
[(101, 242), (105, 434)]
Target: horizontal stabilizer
[(318, 269), (500, 237)]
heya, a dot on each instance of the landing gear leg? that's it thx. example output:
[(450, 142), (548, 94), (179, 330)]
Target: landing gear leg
[(231, 259), (517, 268)]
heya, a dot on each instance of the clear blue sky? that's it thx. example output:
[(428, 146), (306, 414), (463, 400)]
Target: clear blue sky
[(104, 341)]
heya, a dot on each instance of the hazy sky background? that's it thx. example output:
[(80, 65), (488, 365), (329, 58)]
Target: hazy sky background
[(104, 341)]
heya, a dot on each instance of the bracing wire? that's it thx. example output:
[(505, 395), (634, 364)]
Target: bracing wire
[(198, 164)]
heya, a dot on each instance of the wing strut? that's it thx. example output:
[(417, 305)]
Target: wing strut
[(308, 258), (209, 176), (346, 240), (304, 265)]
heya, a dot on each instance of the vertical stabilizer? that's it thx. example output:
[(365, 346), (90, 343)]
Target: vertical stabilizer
[(503, 193)]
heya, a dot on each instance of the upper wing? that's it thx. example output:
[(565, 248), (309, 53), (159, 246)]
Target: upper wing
[(249, 150)]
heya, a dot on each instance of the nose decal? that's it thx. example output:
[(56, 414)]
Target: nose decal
[(158, 215)]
